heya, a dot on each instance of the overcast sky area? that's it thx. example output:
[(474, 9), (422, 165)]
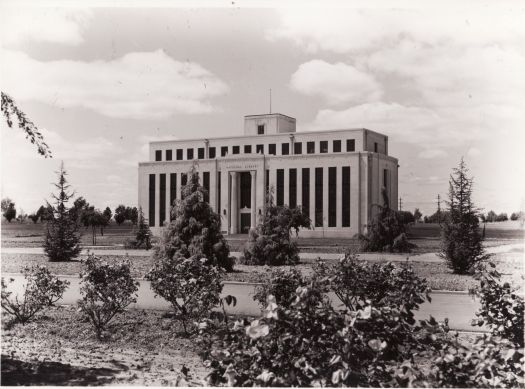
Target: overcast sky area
[(102, 82)]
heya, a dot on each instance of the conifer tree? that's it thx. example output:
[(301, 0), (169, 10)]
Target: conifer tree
[(62, 235), (142, 238), (461, 238), (195, 228)]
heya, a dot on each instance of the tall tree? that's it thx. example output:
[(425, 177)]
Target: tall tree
[(5, 203), (120, 214), (417, 215), (195, 228), (461, 237), (10, 212), (10, 111), (62, 241)]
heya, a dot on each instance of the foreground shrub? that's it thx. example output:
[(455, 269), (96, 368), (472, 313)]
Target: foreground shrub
[(143, 235), (461, 237), (386, 231), (358, 283), (501, 307), (191, 285), (106, 290), (270, 243), (281, 284), (195, 228), (42, 289)]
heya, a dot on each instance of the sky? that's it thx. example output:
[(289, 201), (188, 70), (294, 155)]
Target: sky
[(442, 82)]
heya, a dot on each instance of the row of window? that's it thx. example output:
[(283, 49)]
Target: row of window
[(318, 193), (271, 149)]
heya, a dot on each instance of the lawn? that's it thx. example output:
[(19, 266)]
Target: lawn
[(437, 274), (59, 348)]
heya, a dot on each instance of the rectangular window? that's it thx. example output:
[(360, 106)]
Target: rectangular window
[(306, 191), (183, 182), (260, 129), (350, 145), (211, 152), (298, 148), (224, 151), (247, 149), (169, 155), (152, 200), (292, 190), (271, 149), (158, 155), (310, 147), (323, 146), (200, 153), (318, 196), (189, 154), (173, 190), (259, 149), (162, 200), (337, 146), (345, 198), (236, 149), (267, 189), (280, 187), (206, 185), (285, 148), (332, 196), (179, 154), (218, 210), (245, 179), (375, 147)]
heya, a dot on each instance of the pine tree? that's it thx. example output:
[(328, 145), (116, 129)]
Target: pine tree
[(461, 238), (62, 236), (195, 228)]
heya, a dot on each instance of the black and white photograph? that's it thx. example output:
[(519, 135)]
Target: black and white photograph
[(262, 193)]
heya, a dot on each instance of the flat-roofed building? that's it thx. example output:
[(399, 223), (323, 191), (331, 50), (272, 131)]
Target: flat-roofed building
[(336, 176)]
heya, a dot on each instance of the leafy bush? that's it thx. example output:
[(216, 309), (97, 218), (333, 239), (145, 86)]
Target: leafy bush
[(42, 289), (142, 238), (106, 290), (10, 212), (386, 230), (195, 228), (191, 285), (270, 243), (461, 239), (281, 284), (501, 307)]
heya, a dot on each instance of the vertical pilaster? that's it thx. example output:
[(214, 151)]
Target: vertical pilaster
[(253, 205), (325, 197), (213, 191), (234, 204), (339, 197)]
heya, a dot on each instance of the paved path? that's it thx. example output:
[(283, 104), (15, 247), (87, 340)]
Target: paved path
[(459, 308), (428, 257)]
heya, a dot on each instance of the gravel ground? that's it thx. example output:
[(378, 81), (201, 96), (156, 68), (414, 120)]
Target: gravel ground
[(59, 348)]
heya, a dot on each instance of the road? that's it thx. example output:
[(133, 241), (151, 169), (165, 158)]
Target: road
[(458, 307)]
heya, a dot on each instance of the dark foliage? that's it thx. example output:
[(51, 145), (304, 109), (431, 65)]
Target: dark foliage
[(10, 212), (270, 243), (461, 237), (11, 111), (62, 242), (142, 238), (195, 228)]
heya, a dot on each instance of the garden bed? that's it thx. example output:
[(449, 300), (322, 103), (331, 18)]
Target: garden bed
[(438, 275), (60, 348)]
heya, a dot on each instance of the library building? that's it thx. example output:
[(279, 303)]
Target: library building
[(336, 176)]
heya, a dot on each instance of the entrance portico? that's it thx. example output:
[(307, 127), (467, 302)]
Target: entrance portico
[(242, 205)]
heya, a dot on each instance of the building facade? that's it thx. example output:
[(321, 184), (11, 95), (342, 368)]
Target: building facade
[(336, 176)]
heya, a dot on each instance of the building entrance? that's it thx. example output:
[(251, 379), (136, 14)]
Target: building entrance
[(245, 223)]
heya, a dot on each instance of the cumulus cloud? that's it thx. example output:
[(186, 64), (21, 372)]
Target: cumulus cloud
[(142, 85), (43, 24), (336, 83), (432, 154)]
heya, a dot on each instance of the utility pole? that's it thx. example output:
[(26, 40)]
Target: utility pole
[(270, 100), (439, 209)]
